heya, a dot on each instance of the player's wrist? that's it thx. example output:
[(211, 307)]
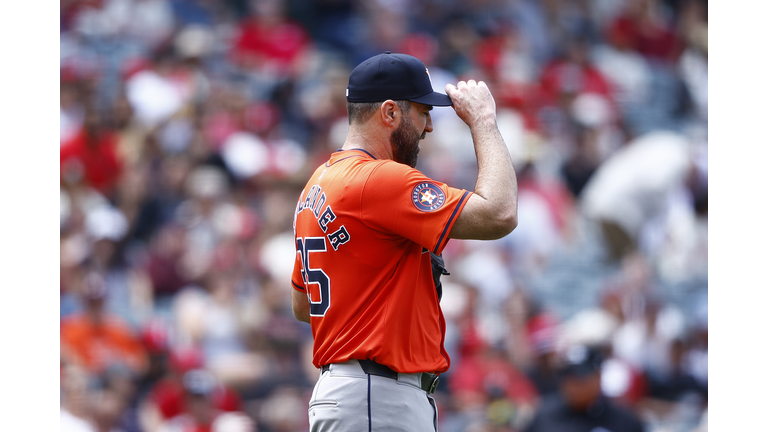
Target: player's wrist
[(486, 122)]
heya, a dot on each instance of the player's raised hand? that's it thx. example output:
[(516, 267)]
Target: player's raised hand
[(472, 101)]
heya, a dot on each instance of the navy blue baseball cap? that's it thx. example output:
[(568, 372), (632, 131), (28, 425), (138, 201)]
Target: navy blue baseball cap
[(396, 77)]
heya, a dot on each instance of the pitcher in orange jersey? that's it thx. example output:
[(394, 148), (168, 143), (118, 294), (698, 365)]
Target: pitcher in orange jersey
[(368, 226)]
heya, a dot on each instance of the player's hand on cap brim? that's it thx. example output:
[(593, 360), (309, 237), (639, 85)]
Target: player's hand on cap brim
[(472, 101)]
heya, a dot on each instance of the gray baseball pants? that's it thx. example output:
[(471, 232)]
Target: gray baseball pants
[(346, 399)]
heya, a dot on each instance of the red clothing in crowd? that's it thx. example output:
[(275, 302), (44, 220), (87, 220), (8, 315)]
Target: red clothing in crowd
[(278, 44), (479, 373), (483, 371), (649, 38), (569, 77), (97, 157), (168, 396)]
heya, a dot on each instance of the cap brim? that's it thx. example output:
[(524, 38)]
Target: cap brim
[(434, 99)]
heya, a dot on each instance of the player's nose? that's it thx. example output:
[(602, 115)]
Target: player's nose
[(428, 126)]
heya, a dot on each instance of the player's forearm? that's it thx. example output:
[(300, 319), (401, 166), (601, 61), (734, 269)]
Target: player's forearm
[(491, 212), (496, 179), (300, 305)]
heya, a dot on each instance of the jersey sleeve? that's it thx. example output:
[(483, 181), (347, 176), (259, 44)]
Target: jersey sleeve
[(403, 201)]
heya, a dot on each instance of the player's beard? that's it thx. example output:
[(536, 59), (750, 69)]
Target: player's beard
[(405, 141)]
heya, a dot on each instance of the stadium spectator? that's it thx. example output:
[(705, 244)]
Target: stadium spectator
[(76, 404), (542, 334), (147, 22), (633, 186), (692, 27), (166, 399), (648, 30), (269, 46), (573, 74), (627, 70), (677, 381), (583, 161), (579, 404), (548, 212), (573, 94), (115, 401), (157, 93), (96, 339), (90, 155), (215, 321), (199, 409), (71, 110)]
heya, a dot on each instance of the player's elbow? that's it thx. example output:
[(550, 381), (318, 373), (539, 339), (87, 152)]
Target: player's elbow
[(500, 215), (510, 222), (506, 222), (483, 219), (498, 225)]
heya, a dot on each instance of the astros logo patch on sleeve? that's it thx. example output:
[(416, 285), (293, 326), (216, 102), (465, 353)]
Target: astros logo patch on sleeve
[(427, 196)]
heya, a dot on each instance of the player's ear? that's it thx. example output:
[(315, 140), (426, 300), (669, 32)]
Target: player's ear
[(389, 112)]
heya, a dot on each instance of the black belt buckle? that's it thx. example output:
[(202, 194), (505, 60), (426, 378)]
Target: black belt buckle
[(429, 382)]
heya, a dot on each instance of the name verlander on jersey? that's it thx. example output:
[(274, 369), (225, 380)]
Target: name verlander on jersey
[(314, 201)]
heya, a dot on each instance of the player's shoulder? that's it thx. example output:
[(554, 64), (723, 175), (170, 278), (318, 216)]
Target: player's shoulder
[(392, 169), (375, 172)]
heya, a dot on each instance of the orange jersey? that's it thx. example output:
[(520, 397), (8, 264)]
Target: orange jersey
[(364, 228), (98, 346)]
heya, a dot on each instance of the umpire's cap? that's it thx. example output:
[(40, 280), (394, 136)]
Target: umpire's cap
[(396, 77)]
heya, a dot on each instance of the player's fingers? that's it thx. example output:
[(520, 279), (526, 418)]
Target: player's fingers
[(461, 85), (449, 88), (472, 83), (482, 84)]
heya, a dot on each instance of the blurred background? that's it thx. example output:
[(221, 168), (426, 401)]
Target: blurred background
[(189, 127)]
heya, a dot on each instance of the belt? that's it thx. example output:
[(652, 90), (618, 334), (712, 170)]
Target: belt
[(429, 381)]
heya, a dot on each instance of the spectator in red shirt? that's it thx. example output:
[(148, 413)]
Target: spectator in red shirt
[(573, 74), (166, 399), (563, 83), (268, 42), (646, 30), (488, 374), (483, 375), (90, 155), (201, 403)]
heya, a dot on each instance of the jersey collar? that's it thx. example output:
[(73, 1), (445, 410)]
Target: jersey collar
[(344, 154)]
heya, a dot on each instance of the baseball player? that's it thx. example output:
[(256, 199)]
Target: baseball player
[(367, 226)]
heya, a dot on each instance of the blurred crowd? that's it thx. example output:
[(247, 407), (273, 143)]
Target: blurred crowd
[(189, 127)]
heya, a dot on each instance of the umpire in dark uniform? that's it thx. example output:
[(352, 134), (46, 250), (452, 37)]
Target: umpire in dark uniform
[(579, 405)]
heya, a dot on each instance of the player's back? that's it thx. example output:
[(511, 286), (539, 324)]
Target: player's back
[(363, 278)]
